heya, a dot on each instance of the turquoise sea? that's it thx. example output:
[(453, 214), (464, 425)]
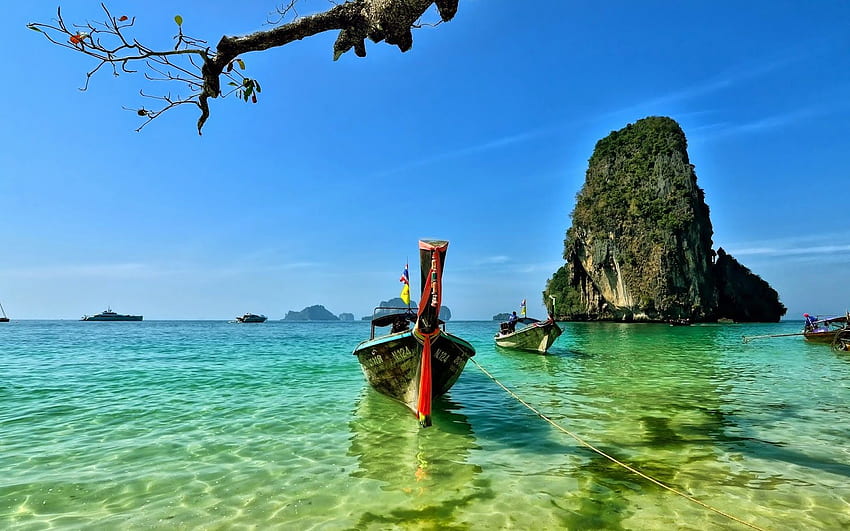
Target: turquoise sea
[(214, 425)]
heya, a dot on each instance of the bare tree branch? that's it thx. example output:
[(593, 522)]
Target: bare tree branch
[(200, 69)]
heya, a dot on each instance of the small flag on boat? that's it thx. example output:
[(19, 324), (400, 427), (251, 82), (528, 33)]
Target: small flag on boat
[(405, 290), (522, 307)]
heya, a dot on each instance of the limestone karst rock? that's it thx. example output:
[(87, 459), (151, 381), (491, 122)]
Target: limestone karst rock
[(640, 244)]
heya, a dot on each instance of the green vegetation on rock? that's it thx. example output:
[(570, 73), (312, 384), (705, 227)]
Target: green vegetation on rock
[(640, 244)]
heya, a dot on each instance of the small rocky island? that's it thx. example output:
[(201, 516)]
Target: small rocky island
[(311, 313), (640, 244)]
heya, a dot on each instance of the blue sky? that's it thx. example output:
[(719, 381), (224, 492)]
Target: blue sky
[(479, 135)]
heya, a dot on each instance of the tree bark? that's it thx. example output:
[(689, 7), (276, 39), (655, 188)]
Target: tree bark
[(356, 20)]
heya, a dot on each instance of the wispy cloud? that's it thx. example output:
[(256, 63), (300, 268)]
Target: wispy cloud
[(469, 150), (822, 247), (493, 260)]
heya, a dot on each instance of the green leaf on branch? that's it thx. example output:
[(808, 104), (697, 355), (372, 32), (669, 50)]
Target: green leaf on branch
[(178, 19)]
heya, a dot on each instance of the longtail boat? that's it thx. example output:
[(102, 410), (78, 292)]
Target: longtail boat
[(3, 317), (826, 330), (415, 365), (534, 335)]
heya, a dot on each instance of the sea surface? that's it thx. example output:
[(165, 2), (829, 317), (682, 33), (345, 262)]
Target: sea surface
[(215, 425)]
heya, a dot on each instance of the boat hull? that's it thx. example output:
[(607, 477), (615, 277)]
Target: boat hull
[(392, 364), (537, 337), (821, 337), (112, 318), (252, 319), (4, 319)]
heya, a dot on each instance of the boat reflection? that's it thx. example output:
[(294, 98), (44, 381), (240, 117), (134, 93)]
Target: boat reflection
[(391, 449)]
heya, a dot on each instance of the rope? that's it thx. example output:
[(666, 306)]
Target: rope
[(747, 339), (613, 459)]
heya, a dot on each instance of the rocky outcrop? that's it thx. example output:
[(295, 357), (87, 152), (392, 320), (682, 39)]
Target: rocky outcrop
[(743, 296), (346, 316), (640, 245), (311, 313)]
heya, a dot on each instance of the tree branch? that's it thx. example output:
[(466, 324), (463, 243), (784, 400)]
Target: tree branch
[(356, 20)]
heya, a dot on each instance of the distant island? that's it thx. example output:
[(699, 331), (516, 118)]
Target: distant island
[(501, 316), (346, 317), (445, 312), (312, 313)]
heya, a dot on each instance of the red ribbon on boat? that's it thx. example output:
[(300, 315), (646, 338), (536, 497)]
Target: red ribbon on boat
[(423, 406), (431, 296)]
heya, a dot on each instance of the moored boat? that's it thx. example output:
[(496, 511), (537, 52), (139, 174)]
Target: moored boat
[(414, 365), (825, 330), (251, 318), (109, 315), (533, 335)]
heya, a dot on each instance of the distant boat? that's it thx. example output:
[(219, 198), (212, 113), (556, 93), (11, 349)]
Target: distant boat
[(680, 322), (535, 335), (109, 315), (3, 319), (415, 365), (251, 318)]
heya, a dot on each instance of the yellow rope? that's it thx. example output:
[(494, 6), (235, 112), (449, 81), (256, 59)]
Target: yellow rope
[(613, 459)]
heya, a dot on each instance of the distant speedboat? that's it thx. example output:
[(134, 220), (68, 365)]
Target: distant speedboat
[(109, 315), (251, 318)]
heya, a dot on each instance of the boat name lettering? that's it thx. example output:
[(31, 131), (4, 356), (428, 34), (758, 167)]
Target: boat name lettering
[(391, 356), (441, 355)]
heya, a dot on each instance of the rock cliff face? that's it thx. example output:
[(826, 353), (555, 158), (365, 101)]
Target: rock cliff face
[(639, 248)]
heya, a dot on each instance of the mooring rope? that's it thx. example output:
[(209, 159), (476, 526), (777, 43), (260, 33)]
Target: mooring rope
[(611, 458)]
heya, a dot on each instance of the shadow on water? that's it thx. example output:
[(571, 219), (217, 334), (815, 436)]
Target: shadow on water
[(428, 467)]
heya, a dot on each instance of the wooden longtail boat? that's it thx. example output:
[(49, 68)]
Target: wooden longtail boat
[(535, 335), (826, 330), (415, 365)]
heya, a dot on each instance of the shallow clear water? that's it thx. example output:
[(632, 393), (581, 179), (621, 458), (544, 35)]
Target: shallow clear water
[(216, 425)]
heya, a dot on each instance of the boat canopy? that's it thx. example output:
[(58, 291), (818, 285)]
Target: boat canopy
[(387, 319)]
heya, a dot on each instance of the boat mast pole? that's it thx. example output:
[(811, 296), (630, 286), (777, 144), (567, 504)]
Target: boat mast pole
[(2, 310)]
